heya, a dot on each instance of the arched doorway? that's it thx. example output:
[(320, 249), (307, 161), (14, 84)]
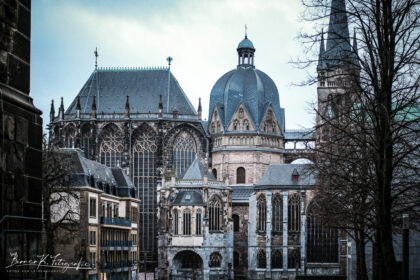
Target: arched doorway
[(187, 265)]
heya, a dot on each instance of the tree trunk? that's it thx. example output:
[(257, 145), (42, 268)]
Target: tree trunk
[(361, 270)]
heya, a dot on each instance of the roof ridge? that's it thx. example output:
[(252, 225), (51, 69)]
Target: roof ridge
[(134, 68)]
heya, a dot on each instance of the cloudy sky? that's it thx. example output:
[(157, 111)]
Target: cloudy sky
[(201, 36)]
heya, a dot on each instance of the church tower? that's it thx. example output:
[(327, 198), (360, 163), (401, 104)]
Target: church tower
[(337, 66)]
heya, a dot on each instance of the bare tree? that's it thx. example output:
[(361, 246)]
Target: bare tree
[(60, 199), (368, 149)]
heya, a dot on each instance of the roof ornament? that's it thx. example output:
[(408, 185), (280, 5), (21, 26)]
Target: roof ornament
[(169, 60), (246, 31), (96, 58)]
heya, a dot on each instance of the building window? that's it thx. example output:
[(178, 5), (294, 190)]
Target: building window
[(236, 259), (215, 214), (241, 113), (235, 125), (92, 259), (261, 259), (70, 136), (109, 209), (218, 127), (240, 175), (92, 238), (294, 213), (277, 213), (262, 213), (214, 173), (273, 127), (277, 258), (134, 239), (187, 222), (176, 222), (134, 215), (293, 259), (111, 149), (246, 125), (198, 222), (215, 260), (184, 151), (92, 207), (144, 178), (103, 209), (213, 127), (322, 242), (235, 222), (116, 211)]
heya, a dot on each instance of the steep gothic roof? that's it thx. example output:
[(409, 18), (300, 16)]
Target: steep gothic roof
[(196, 171), (249, 86), (143, 86)]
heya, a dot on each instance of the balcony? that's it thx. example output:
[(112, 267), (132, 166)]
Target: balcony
[(122, 222), (116, 244), (116, 266)]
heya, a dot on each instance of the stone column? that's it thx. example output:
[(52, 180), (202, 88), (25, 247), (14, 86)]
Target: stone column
[(252, 241), (268, 234), (302, 231), (285, 226)]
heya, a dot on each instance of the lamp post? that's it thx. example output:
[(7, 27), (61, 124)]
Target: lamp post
[(405, 249)]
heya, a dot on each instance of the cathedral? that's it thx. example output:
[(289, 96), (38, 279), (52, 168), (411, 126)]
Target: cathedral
[(218, 199)]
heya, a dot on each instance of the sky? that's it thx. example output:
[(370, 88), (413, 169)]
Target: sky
[(201, 36)]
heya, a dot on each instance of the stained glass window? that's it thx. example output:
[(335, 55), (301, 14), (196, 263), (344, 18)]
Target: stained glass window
[(262, 213), (111, 149), (277, 213), (322, 242), (294, 213), (277, 258), (184, 151), (144, 178), (215, 214), (261, 259)]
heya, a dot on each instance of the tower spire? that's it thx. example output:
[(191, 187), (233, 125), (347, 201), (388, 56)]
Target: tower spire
[(321, 59), (61, 110), (199, 111), (169, 60), (52, 111), (338, 44)]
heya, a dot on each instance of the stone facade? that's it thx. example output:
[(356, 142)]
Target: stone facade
[(21, 142)]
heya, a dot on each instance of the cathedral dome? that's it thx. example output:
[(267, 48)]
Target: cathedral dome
[(246, 43), (248, 86)]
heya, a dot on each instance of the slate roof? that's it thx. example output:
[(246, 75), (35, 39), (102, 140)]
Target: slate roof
[(279, 176), (84, 169), (339, 50), (250, 86), (241, 193), (143, 86), (188, 198), (196, 171)]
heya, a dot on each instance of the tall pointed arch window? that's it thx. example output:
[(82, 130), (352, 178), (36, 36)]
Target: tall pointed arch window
[(71, 137), (294, 213), (261, 213), (144, 178), (198, 216), (235, 125), (240, 175), (215, 214), (175, 222), (111, 148), (277, 213), (246, 125), (277, 258), (293, 258), (86, 134), (322, 242), (186, 220), (261, 259), (184, 151)]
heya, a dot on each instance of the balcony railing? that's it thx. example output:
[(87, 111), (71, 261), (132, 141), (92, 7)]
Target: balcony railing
[(116, 243), (123, 222), (120, 264)]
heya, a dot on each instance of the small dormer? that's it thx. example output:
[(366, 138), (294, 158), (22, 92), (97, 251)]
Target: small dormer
[(295, 175)]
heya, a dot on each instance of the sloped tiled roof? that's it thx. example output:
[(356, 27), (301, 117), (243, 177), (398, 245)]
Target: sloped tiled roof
[(188, 198), (196, 171), (143, 86), (241, 193), (280, 176)]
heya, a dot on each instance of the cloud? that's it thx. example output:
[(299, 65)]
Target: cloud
[(201, 36)]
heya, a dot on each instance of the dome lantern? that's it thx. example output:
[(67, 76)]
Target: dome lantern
[(246, 51)]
